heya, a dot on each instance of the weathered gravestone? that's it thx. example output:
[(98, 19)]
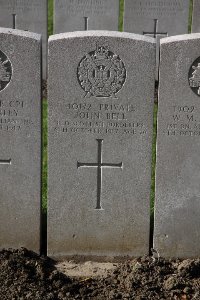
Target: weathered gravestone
[(177, 205), (156, 18), (20, 135), (72, 15), (101, 90), (29, 15), (196, 16)]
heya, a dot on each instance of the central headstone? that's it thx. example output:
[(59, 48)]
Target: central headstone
[(101, 90), (28, 15), (20, 135), (73, 15)]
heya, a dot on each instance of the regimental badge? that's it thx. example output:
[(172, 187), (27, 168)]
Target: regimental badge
[(5, 71), (101, 73), (194, 77)]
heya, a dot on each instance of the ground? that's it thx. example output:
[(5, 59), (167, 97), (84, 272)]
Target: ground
[(25, 275)]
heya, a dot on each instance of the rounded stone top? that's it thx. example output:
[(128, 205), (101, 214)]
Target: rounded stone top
[(21, 33), (99, 33), (180, 38)]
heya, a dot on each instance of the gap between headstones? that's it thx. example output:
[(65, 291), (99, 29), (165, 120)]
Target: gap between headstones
[(152, 196)]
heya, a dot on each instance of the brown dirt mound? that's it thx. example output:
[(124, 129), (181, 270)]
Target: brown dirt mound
[(25, 275)]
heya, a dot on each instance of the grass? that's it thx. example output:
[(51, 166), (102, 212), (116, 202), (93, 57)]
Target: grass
[(121, 13), (50, 17), (44, 173), (190, 16), (44, 162)]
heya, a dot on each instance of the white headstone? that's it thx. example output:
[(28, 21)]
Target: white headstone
[(196, 16), (177, 206), (172, 16), (20, 135), (28, 15), (156, 18), (101, 90), (73, 15)]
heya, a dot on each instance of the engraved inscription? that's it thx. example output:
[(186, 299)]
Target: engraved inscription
[(21, 5), (194, 76), (101, 73), (157, 8), (184, 121), (85, 7), (99, 165), (101, 118), (13, 116), (5, 71)]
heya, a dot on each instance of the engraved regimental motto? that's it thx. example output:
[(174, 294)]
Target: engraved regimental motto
[(194, 77), (5, 71), (101, 73)]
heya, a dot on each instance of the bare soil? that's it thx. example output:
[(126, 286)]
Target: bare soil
[(25, 275)]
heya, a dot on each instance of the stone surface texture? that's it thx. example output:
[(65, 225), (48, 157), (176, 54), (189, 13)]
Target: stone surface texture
[(31, 15), (177, 205), (73, 15), (164, 17), (85, 69), (172, 16), (20, 135), (196, 16)]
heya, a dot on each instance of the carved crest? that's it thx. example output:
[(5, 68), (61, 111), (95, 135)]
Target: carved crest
[(194, 77), (5, 71), (101, 73)]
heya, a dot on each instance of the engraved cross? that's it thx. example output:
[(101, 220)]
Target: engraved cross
[(5, 162), (99, 165), (14, 22), (14, 16), (86, 23), (155, 33)]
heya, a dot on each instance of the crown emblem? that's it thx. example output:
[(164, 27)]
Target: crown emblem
[(5, 71), (101, 73), (194, 77)]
